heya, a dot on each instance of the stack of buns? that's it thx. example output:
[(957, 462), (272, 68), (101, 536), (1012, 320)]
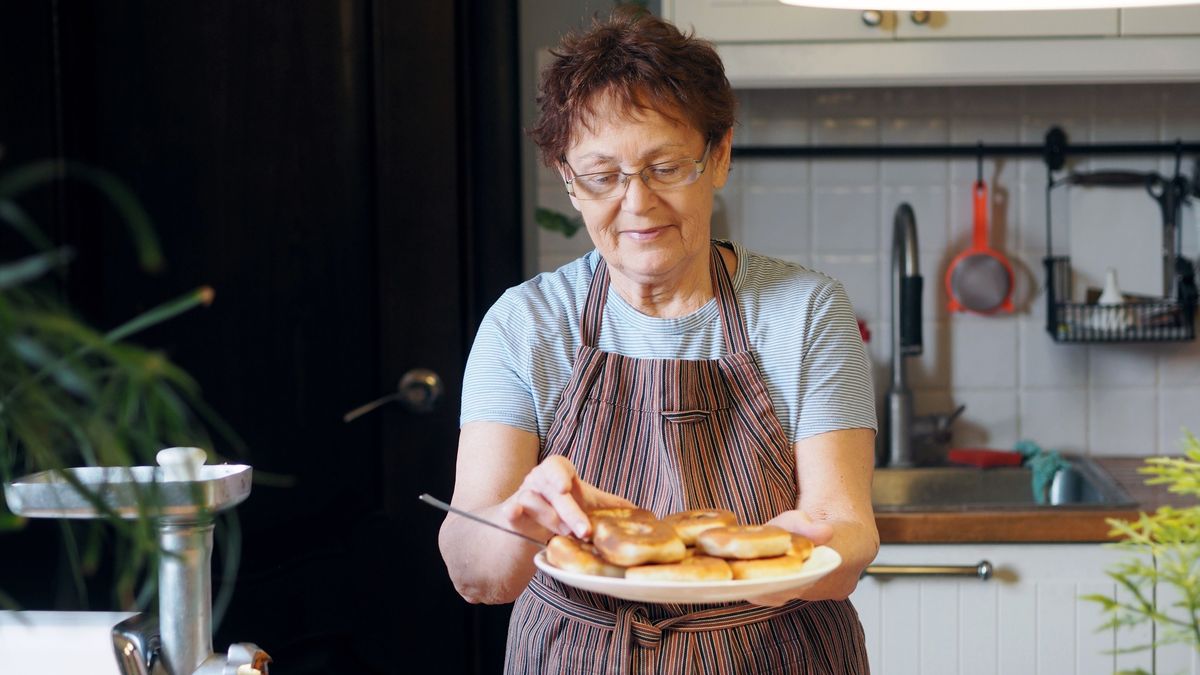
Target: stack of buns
[(695, 545)]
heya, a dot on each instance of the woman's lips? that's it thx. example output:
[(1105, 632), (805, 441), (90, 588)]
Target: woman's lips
[(646, 234)]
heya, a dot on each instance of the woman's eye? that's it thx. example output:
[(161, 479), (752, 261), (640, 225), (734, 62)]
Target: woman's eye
[(667, 170), (600, 179)]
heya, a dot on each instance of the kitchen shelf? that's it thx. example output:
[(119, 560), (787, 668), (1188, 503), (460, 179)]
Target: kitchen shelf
[(1148, 321), (1170, 318)]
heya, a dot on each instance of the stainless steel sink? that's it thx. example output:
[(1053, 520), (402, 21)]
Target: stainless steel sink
[(1084, 485)]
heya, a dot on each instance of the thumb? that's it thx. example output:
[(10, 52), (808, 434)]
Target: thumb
[(595, 498), (798, 522)]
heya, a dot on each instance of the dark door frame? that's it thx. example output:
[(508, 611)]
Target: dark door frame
[(448, 186)]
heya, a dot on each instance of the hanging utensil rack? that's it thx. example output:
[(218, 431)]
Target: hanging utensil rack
[(1171, 318)]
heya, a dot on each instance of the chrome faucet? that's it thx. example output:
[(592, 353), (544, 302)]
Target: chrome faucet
[(906, 334)]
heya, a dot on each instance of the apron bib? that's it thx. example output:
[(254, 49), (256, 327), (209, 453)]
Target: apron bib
[(671, 435)]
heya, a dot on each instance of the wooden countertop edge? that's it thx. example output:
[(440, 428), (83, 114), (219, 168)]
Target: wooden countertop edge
[(1031, 526), (956, 527)]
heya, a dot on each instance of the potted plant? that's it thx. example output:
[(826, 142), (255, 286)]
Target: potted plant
[(74, 395), (1167, 548)]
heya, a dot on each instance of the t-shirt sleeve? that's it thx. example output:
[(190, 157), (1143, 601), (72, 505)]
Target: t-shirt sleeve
[(836, 391), (497, 381)]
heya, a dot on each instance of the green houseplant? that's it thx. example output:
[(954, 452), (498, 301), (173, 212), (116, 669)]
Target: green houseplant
[(1171, 537), (74, 395)]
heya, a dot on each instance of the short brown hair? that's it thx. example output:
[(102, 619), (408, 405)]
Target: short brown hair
[(641, 61)]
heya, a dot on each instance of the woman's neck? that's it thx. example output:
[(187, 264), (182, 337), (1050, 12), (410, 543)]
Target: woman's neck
[(677, 296)]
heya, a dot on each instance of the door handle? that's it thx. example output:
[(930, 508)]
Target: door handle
[(419, 390), (982, 570)]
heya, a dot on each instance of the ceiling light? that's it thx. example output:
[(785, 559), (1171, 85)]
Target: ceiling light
[(980, 5)]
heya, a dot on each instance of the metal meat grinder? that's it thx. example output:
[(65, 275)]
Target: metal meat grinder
[(182, 496)]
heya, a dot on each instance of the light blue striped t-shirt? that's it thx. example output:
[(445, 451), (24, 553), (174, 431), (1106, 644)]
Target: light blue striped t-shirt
[(799, 321)]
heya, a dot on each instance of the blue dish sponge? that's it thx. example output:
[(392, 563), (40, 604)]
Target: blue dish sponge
[(1042, 465)]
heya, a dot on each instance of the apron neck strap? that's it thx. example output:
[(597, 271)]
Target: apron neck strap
[(593, 311), (733, 329)]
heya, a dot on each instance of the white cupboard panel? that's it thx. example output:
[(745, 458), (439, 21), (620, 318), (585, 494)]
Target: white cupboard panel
[(940, 623), (1176, 658), (866, 601), (978, 646), (1095, 646), (1056, 627), (1027, 619), (1073, 23), (1131, 637), (733, 21), (900, 640), (1016, 629), (1161, 20)]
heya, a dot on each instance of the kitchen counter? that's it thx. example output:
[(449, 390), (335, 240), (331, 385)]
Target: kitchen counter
[(1043, 525)]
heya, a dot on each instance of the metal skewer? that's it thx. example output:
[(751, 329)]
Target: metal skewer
[(433, 501)]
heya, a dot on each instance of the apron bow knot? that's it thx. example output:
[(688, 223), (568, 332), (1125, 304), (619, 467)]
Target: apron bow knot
[(634, 624)]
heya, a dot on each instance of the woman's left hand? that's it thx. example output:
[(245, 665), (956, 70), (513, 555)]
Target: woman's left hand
[(796, 522)]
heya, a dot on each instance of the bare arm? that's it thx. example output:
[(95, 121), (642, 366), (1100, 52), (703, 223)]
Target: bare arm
[(499, 478), (834, 473)]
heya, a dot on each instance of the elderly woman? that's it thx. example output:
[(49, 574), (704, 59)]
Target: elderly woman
[(662, 370)]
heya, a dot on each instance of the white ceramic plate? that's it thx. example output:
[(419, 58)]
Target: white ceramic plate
[(823, 561)]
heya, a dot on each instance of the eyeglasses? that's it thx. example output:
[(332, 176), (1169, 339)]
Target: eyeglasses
[(660, 177)]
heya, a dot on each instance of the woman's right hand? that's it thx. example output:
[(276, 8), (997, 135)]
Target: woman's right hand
[(553, 499)]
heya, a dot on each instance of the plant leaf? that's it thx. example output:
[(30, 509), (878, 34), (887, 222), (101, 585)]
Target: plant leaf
[(133, 215), (33, 353), (31, 267), (24, 224), (555, 221)]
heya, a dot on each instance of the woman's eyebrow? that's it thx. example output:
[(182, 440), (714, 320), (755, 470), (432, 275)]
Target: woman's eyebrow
[(598, 157)]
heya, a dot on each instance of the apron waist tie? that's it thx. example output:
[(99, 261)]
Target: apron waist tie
[(631, 623)]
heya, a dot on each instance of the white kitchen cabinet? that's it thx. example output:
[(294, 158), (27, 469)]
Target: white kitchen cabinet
[(773, 21), (1027, 619), (765, 43), (1161, 21), (770, 20), (961, 25)]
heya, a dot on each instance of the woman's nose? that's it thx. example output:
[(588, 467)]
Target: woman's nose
[(638, 195)]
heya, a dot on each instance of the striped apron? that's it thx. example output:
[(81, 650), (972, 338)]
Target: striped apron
[(671, 435)]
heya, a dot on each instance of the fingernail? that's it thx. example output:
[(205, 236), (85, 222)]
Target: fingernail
[(581, 529)]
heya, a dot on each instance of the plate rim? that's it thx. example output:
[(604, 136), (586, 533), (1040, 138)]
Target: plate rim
[(732, 585)]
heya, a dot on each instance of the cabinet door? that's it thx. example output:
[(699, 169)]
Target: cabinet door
[(1177, 658), (948, 25), (1026, 619), (1161, 21), (771, 20)]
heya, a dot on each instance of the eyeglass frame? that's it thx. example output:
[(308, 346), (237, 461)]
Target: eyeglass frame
[(702, 166)]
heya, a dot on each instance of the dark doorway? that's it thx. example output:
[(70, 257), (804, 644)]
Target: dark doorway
[(345, 174)]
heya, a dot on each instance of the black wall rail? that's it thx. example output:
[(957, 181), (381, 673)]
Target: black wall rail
[(1054, 150)]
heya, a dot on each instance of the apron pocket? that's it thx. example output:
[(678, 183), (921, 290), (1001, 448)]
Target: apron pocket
[(685, 416)]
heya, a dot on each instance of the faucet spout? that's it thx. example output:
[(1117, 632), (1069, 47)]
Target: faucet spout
[(906, 290)]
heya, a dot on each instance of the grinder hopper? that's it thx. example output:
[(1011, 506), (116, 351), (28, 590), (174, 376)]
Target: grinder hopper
[(182, 496)]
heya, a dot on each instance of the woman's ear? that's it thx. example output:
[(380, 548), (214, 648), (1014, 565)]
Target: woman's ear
[(720, 159)]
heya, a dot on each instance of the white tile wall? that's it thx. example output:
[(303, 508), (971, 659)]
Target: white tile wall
[(836, 215)]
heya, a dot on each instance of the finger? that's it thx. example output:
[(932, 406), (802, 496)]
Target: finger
[(542, 512), (597, 498), (555, 475), (770, 600), (570, 511), (817, 532), (555, 479), (798, 522)]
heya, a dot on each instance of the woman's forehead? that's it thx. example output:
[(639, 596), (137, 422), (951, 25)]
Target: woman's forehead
[(612, 131)]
